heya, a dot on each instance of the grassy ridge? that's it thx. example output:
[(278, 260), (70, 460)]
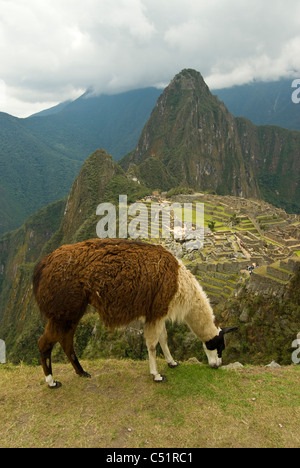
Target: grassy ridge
[(121, 407)]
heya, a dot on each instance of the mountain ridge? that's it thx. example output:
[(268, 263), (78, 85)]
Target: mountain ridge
[(264, 103), (32, 173), (40, 156), (197, 142)]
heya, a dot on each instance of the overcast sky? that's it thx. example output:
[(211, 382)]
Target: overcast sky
[(51, 51)]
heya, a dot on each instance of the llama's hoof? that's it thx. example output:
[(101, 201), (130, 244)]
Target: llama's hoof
[(172, 366), (57, 385), (162, 378), (86, 375)]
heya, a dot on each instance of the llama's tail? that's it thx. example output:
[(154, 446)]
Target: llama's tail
[(37, 274)]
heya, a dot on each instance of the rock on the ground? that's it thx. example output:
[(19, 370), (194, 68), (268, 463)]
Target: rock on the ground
[(234, 365), (273, 364)]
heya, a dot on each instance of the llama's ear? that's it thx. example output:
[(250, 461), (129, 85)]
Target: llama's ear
[(229, 330)]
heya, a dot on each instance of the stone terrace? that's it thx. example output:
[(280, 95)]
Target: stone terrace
[(246, 232)]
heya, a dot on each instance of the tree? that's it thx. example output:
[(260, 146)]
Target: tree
[(211, 225)]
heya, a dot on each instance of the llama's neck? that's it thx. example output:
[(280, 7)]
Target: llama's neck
[(200, 319), (192, 305)]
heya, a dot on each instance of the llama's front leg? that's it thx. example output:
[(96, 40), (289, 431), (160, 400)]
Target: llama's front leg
[(152, 333), (165, 348)]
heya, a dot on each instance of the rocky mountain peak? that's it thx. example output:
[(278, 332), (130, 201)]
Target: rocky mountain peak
[(194, 140), (87, 190), (189, 79)]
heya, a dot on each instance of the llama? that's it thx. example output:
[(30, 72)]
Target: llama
[(125, 281)]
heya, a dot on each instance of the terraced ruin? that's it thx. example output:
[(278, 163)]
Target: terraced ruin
[(246, 242)]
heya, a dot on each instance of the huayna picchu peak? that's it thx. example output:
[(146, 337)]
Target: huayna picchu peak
[(191, 132), (194, 140)]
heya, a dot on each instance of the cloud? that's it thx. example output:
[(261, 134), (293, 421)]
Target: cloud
[(52, 51)]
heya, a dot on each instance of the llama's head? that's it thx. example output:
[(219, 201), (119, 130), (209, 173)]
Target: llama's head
[(214, 347)]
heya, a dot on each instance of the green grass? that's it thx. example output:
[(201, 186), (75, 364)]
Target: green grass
[(121, 407)]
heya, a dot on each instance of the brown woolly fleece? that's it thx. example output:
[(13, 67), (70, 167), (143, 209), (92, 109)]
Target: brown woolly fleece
[(124, 280)]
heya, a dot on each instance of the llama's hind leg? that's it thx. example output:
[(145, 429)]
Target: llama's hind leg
[(66, 341), (45, 344), (152, 333), (165, 348)]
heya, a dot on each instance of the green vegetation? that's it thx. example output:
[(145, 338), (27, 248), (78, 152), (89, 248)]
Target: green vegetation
[(179, 191), (271, 327), (41, 156), (255, 101), (235, 220), (211, 225), (32, 174), (120, 407)]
